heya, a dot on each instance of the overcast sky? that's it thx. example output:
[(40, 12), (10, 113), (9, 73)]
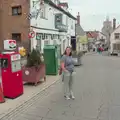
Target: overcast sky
[(94, 12)]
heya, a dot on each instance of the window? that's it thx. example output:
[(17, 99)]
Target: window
[(3, 63), (117, 35), (46, 36), (55, 36), (16, 36), (43, 12), (43, 36), (58, 19), (17, 10)]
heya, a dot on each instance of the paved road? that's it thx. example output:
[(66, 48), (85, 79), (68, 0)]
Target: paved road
[(96, 90)]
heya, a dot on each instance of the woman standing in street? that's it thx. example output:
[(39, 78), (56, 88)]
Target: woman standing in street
[(67, 65)]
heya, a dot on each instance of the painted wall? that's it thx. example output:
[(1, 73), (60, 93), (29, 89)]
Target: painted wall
[(71, 26), (47, 25), (48, 21), (82, 43), (112, 37)]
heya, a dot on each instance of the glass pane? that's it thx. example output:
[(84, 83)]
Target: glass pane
[(16, 66), (4, 63), (15, 11)]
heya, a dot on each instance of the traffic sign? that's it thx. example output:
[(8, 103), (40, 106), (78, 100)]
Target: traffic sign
[(31, 34)]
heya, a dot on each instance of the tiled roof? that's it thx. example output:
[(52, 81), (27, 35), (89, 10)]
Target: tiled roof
[(116, 28), (79, 30), (92, 34)]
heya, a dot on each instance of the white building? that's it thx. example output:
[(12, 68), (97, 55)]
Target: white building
[(81, 42), (101, 38), (115, 41), (52, 23)]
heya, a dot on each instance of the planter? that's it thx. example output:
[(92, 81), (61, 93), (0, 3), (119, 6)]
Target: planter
[(33, 74), (77, 58)]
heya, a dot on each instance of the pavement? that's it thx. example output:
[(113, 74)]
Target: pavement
[(90, 53), (96, 89), (30, 91)]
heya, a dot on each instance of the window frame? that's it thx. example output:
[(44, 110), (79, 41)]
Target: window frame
[(17, 34), (117, 36), (16, 10), (43, 12)]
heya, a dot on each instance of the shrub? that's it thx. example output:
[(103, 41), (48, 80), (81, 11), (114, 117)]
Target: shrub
[(34, 58)]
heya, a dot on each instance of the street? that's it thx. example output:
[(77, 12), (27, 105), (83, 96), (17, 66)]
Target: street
[(96, 89)]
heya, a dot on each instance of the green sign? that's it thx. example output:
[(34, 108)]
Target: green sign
[(38, 36)]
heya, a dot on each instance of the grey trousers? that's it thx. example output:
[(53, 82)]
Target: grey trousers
[(68, 79)]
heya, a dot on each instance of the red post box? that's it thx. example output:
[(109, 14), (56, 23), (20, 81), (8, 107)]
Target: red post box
[(11, 74)]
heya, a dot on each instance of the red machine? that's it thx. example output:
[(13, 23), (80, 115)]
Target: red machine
[(11, 74)]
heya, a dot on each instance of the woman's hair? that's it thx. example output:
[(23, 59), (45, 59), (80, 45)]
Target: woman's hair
[(70, 52)]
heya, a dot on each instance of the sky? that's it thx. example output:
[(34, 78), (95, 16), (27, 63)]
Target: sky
[(94, 12)]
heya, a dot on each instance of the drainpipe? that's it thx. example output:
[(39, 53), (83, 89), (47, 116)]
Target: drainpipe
[(75, 36)]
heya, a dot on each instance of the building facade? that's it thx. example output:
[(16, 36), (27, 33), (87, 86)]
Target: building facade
[(81, 38), (115, 41), (14, 22), (53, 24), (101, 38), (50, 21), (92, 38), (115, 35)]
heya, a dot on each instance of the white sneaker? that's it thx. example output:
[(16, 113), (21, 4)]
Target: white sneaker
[(72, 97), (67, 97)]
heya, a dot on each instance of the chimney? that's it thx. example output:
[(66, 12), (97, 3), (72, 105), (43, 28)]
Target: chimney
[(114, 24), (78, 18)]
